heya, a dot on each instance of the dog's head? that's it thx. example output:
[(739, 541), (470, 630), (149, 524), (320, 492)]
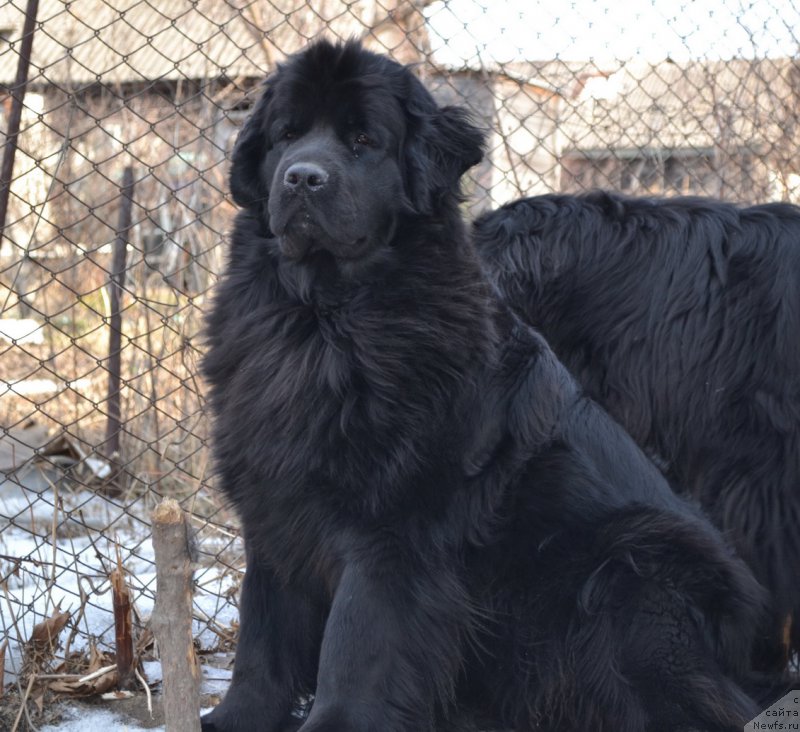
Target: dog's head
[(341, 144)]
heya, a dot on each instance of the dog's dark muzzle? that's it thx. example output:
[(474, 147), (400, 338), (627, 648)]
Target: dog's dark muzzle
[(312, 204), (299, 194), (302, 234)]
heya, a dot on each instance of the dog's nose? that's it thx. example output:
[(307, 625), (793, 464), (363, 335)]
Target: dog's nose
[(305, 175)]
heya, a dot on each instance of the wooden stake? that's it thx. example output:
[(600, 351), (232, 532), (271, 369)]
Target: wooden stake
[(172, 618), (123, 630), (3, 647)]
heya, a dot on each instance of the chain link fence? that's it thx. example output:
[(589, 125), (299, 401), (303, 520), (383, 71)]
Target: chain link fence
[(120, 117)]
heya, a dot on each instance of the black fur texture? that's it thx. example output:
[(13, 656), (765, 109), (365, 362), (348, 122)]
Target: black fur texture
[(441, 530), (682, 318)]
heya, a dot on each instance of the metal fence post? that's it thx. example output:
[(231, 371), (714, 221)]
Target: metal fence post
[(117, 281), (15, 116)]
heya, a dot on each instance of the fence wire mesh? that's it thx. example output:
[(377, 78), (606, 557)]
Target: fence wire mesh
[(117, 210)]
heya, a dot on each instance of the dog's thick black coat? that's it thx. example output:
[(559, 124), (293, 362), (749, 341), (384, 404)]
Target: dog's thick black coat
[(681, 317), (440, 528)]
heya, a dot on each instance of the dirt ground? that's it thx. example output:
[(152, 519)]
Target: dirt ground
[(131, 711)]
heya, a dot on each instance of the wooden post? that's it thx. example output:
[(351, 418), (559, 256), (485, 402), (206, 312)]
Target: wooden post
[(172, 618), (3, 647)]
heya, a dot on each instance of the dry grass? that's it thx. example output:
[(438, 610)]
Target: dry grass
[(164, 434), (163, 451)]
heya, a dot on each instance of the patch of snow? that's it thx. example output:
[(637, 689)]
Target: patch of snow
[(80, 719), (100, 720), (46, 575), (30, 387), (215, 680), (21, 330)]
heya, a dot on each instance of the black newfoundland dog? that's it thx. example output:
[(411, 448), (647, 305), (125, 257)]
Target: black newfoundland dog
[(682, 318), (441, 531)]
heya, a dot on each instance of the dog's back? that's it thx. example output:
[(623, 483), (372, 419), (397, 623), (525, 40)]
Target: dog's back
[(681, 316)]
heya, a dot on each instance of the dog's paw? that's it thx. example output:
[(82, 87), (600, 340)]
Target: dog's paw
[(207, 724), (224, 719)]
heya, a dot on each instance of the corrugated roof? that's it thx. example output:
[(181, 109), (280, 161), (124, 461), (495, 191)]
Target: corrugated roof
[(120, 41), (693, 105), (561, 75)]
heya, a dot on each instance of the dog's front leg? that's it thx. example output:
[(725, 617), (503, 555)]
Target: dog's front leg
[(392, 645), (276, 657)]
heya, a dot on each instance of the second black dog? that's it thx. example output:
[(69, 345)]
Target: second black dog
[(682, 318)]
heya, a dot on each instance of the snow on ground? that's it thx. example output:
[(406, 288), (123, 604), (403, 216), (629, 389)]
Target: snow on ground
[(82, 719), (72, 572), (78, 719)]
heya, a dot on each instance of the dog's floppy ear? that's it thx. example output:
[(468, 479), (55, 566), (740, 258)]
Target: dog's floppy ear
[(441, 145), (246, 183)]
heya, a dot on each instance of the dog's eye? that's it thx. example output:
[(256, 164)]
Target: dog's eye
[(362, 138), (289, 135)]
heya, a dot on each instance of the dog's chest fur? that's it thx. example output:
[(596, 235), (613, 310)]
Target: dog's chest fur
[(318, 387), (345, 404)]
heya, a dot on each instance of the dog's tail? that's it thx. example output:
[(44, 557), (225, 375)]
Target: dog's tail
[(690, 609), (690, 557), (642, 619)]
